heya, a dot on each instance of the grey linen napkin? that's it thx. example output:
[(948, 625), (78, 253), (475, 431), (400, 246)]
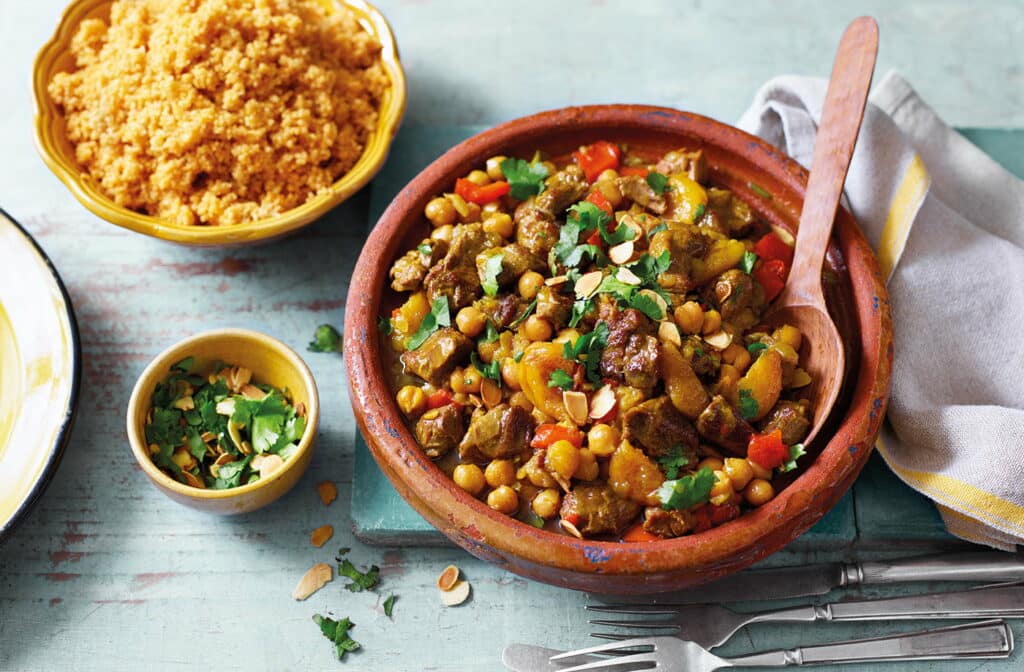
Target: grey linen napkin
[(947, 223)]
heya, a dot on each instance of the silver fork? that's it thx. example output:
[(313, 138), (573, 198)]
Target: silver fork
[(710, 625), (984, 639)]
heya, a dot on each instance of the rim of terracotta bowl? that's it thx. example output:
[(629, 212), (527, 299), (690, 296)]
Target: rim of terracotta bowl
[(159, 368), (606, 566), (48, 127)]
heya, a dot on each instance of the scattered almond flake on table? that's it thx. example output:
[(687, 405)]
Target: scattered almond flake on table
[(328, 492), (448, 578), (458, 594), (318, 576), (320, 535)]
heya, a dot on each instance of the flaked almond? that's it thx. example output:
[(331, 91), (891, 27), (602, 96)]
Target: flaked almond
[(621, 253), (627, 276), (226, 407), (576, 405), (223, 459), (448, 578), (320, 535), (183, 459), (490, 392), (318, 576), (328, 492), (669, 333), (238, 377), (300, 409), (720, 340), (207, 437), (557, 280), (236, 435), (267, 463), (629, 221), (184, 403), (153, 449), (193, 480), (570, 528), (458, 594), (603, 402), (588, 284), (250, 391), (654, 296)]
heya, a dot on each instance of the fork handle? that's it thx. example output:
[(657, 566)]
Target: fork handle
[(983, 639)]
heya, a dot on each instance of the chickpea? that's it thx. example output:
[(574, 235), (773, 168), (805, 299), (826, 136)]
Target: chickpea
[(739, 472), (712, 322), (607, 174), (472, 214), (510, 373), (443, 233), (412, 400), (712, 463), (470, 321), (466, 381), (537, 328), (488, 209), (588, 469), (532, 472), (519, 399), (689, 317), (487, 350), (500, 472), (440, 211), (469, 478), (759, 491), (759, 471), (567, 335), (547, 503), (494, 167), (609, 190), (602, 439), (500, 223), (722, 490), (529, 284), (503, 499), (563, 458), (478, 177)]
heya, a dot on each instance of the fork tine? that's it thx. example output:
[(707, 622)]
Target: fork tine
[(633, 643), (620, 662), (634, 624), (610, 635), (642, 609)]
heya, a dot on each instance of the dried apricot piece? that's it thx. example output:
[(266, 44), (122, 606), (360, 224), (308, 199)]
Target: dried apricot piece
[(449, 577), (320, 535), (327, 491)]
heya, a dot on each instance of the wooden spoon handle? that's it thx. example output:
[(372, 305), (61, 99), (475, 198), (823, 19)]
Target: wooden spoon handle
[(833, 148)]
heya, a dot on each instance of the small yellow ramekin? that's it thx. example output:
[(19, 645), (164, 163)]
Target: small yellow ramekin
[(59, 155), (273, 363)]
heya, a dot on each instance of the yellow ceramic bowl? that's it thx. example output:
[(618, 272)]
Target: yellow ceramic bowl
[(59, 155), (272, 362)]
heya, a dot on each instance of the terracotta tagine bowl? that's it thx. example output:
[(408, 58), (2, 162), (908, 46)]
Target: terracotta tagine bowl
[(749, 167)]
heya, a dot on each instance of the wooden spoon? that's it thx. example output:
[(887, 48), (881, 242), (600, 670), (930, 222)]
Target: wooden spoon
[(802, 303)]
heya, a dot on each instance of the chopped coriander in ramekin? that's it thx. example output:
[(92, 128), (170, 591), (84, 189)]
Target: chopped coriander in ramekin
[(219, 429)]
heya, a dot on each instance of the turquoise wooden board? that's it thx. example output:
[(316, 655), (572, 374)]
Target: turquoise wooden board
[(879, 512)]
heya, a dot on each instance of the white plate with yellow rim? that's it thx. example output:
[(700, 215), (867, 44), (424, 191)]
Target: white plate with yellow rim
[(40, 368)]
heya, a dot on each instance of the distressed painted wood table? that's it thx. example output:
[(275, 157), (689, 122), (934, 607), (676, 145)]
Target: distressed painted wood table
[(108, 574)]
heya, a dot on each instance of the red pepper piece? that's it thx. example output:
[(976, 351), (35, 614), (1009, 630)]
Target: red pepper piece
[(598, 199), (626, 171), (598, 157), (772, 276), (481, 195), (548, 433), (440, 398), (770, 246), (767, 450)]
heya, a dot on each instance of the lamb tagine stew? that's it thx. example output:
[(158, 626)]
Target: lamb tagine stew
[(580, 344)]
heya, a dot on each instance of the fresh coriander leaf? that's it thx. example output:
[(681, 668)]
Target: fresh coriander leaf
[(688, 491), (184, 365), (620, 235), (525, 178), (796, 451), (425, 249), (518, 357), (759, 190), (657, 181), (525, 314), (389, 605), (698, 214), (580, 308), (577, 254), (559, 378), (646, 305), (360, 580), (748, 405), (164, 461), (492, 269), (530, 517), (325, 339), (230, 474), (588, 347), (748, 261), (432, 321), (384, 325), (589, 216), (673, 461), (755, 348), (165, 427), (490, 333), (342, 552), (583, 219), (195, 444), (337, 632), (660, 227), (492, 370)]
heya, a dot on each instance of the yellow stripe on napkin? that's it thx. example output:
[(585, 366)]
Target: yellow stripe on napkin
[(902, 210)]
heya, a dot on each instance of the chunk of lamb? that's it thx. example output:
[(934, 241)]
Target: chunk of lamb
[(721, 425), (455, 276), (536, 230), (657, 426), (554, 306), (791, 418), (439, 430), (596, 510), (502, 310), (562, 189), (631, 354), (636, 189), (500, 433), (668, 524), (684, 243), (680, 161), (408, 271), (732, 292), (438, 356), (515, 260)]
